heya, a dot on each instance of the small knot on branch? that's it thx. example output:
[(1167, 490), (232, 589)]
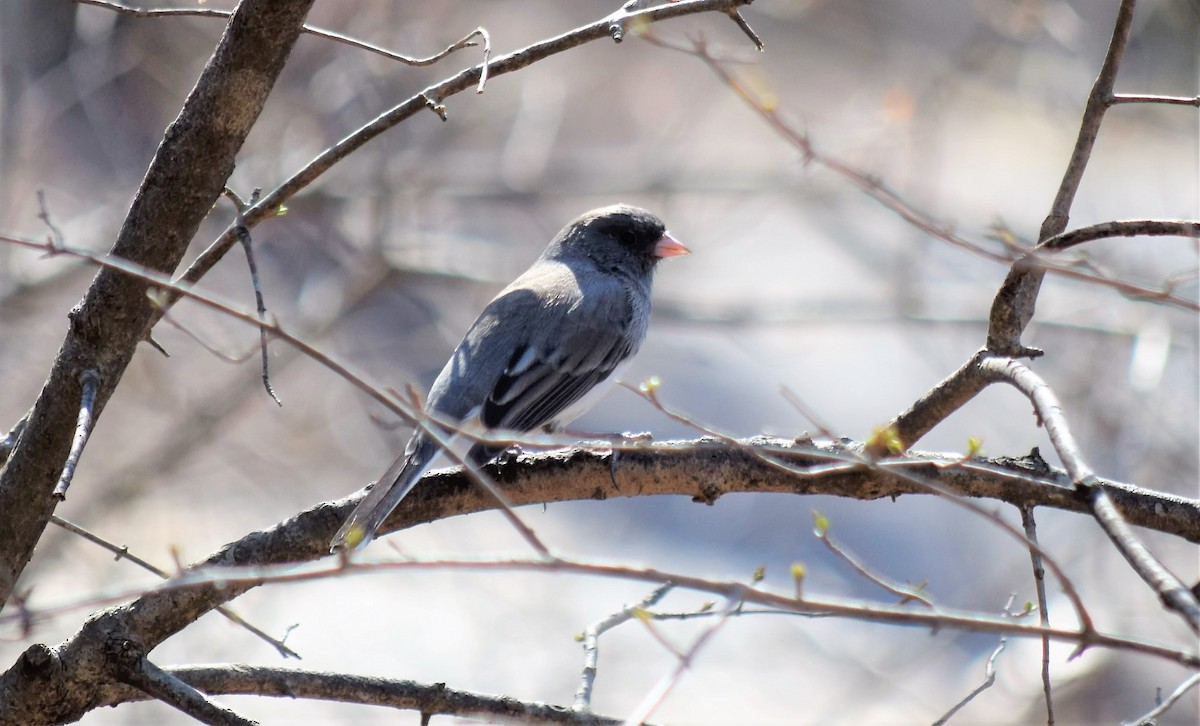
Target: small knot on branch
[(438, 108)]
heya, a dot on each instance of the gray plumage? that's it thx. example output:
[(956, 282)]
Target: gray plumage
[(539, 348)]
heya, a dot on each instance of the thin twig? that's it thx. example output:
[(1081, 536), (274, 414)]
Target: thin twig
[(1123, 228), (807, 412), (123, 553), (1039, 583), (1150, 718), (735, 14), (464, 42), (243, 235), (989, 679), (1118, 98), (591, 644), (854, 609), (892, 200), (664, 687), (89, 382), (196, 338), (904, 592)]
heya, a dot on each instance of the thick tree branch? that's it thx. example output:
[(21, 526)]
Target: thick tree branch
[(168, 688), (47, 682), (428, 698), (183, 181)]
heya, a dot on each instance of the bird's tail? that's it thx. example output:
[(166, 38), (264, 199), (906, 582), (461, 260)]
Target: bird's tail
[(395, 484)]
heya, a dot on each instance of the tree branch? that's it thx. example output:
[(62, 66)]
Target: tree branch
[(1014, 304), (465, 42), (1122, 228), (48, 683), (1174, 594), (166, 687), (434, 96), (433, 699), (183, 181)]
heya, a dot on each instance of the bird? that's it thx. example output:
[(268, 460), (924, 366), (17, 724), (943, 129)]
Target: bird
[(541, 352)]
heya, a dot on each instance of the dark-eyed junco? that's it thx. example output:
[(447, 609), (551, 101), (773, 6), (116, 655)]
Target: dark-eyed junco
[(537, 353)]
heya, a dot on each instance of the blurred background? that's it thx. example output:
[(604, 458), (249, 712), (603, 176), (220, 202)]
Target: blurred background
[(968, 109)]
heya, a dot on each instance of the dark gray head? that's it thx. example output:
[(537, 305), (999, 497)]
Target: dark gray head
[(619, 237)]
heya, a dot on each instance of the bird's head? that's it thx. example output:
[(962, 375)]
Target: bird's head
[(618, 236)]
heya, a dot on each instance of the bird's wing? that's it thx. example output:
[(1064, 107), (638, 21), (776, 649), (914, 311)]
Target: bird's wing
[(585, 328), (538, 385)]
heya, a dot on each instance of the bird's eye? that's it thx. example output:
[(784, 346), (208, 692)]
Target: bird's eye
[(623, 236)]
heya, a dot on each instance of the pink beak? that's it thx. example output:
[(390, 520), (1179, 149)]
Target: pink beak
[(668, 246)]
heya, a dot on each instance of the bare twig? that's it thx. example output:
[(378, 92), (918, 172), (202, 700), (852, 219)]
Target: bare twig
[(243, 235), (123, 553), (989, 679), (89, 384), (874, 187), (736, 591), (797, 403), (591, 643), (464, 42), (736, 15), (224, 355), (1150, 718), (1119, 98), (1122, 228), (904, 592), (684, 661), (1039, 584)]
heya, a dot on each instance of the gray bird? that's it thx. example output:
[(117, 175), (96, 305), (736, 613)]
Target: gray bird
[(536, 355)]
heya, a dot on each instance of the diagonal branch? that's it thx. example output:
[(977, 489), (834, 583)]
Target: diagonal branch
[(1014, 304), (166, 687), (1174, 594), (185, 177), (434, 96)]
